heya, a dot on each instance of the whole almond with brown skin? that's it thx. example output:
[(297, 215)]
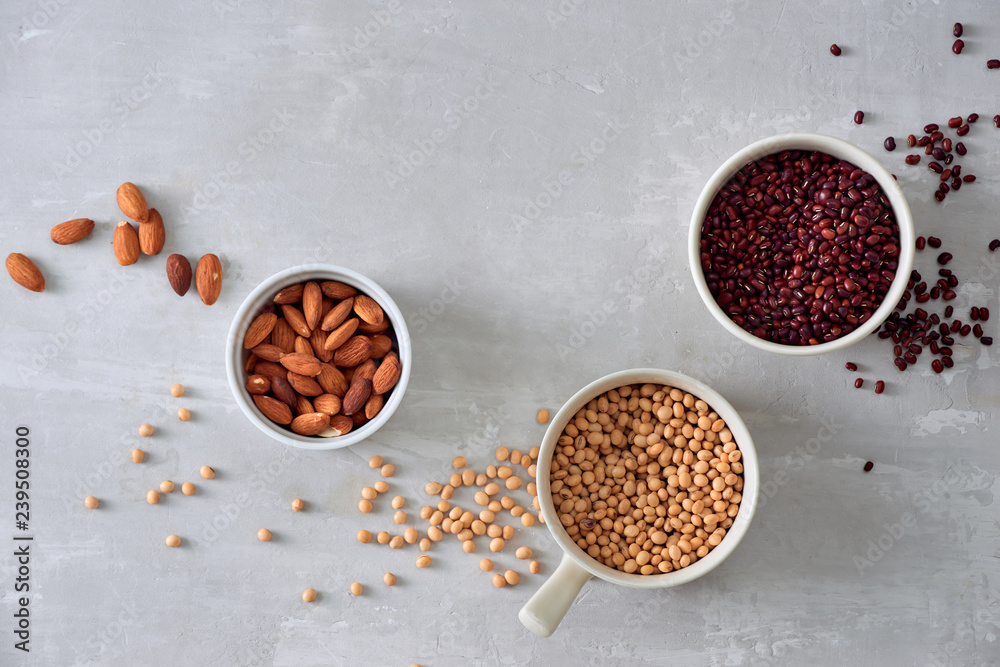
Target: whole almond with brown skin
[(303, 364), (283, 391), (290, 294), (151, 234), (274, 409), (356, 397), (303, 405), (72, 231), (337, 290), (355, 351), (364, 371), (304, 385), (387, 374), (369, 311), (208, 278), (328, 404), (341, 423), (364, 327), (179, 273), (258, 385), (126, 244), (332, 380), (359, 418), (269, 352), (271, 369), (381, 344), (296, 320), (25, 273), (303, 346), (337, 314), (374, 405), (311, 423), (312, 305), (258, 330), (341, 334), (283, 336), (250, 364), (317, 340), (132, 203)]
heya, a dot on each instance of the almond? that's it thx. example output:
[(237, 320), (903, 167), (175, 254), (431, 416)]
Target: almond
[(72, 231), (303, 364), (368, 310), (364, 371), (332, 380), (364, 327), (179, 273), (208, 278), (337, 290), (269, 352), (341, 334), (25, 273), (274, 409), (374, 405), (355, 351), (283, 391), (283, 336), (303, 406), (151, 234), (312, 305), (311, 423), (317, 340), (290, 294), (356, 397), (132, 203), (328, 404), (337, 314), (296, 320), (381, 344), (341, 424), (251, 363), (258, 330), (303, 346), (304, 385), (358, 418), (258, 385), (387, 374), (270, 369), (126, 244)]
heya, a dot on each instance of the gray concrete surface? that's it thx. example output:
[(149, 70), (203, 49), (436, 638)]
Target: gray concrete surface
[(422, 143)]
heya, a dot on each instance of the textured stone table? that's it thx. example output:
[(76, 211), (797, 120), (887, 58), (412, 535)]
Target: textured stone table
[(520, 177)]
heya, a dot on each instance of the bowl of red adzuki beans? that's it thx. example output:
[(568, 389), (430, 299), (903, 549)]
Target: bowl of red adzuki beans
[(801, 244)]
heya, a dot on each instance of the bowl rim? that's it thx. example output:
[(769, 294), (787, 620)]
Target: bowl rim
[(259, 297), (751, 477), (838, 148)]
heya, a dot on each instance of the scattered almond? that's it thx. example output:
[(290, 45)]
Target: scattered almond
[(151, 234), (25, 273), (72, 231), (208, 279), (126, 244), (179, 273), (132, 202)]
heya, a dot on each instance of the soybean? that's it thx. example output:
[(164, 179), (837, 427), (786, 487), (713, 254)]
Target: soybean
[(264, 535), (357, 589), (187, 488), (207, 472), (173, 541), (364, 537), (389, 578), (137, 455), (308, 595), (423, 561), (91, 503), (298, 505)]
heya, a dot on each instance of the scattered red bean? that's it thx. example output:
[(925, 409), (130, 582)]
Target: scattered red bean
[(993, 63), (960, 148), (954, 122), (912, 159), (851, 366), (937, 366), (977, 330), (944, 258), (973, 117), (986, 340), (929, 128), (911, 141), (957, 30), (984, 314), (889, 143), (868, 466), (859, 117), (879, 387), (900, 364), (948, 362), (994, 244), (933, 241), (858, 383), (969, 178), (996, 120), (962, 131), (923, 141), (935, 167), (957, 46), (835, 50), (946, 144), (947, 313)]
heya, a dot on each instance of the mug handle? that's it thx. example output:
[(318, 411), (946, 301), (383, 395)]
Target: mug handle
[(546, 608)]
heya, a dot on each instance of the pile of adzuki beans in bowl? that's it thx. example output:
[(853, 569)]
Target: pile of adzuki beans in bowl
[(800, 247), (646, 479)]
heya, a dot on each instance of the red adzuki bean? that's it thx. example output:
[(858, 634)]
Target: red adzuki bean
[(858, 383), (944, 258), (960, 148), (994, 244), (993, 63), (937, 366), (933, 241), (957, 46), (911, 140), (973, 117), (890, 144), (957, 30), (879, 387), (851, 366), (835, 50), (859, 117), (962, 131), (986, 340), (954, 122), (868, 466), (912, 159)]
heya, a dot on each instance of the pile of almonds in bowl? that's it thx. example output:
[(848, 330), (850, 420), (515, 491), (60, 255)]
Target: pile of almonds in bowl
[(319, 358)]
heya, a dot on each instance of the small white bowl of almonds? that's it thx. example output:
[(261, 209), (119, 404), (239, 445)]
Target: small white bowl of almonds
[(318, 357), (646, 478)]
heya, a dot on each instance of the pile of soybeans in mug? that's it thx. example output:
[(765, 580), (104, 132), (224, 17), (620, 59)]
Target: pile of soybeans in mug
[(646, 479)]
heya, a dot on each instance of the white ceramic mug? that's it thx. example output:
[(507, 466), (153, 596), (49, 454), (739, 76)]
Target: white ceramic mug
[(544, 611)]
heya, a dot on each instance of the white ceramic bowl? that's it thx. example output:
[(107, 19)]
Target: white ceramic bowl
[(546, 608), (838, 148), (262, 296)]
